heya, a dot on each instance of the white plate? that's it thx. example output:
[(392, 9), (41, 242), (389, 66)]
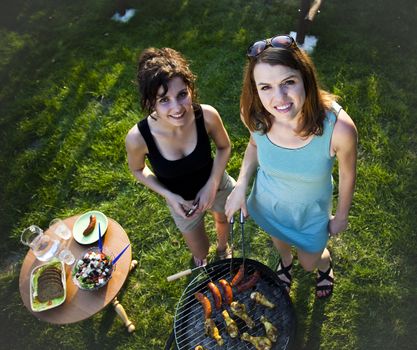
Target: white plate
[(81, 224)]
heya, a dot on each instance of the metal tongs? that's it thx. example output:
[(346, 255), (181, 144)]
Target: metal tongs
[(242, 230)]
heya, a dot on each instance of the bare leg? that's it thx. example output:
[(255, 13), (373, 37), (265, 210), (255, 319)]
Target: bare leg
[(284, 251), (121, 7), (222, 229), (197, 241), (310, 261)]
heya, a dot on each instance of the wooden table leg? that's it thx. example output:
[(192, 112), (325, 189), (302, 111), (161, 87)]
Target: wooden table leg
[(120, 309), (122, 313), (133, 264)]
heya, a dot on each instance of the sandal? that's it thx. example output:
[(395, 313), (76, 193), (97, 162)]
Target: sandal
[(286, 271), (199, 262), (224, 254), (325, 276)]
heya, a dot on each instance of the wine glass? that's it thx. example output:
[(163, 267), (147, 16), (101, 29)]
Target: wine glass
[(61, 229)]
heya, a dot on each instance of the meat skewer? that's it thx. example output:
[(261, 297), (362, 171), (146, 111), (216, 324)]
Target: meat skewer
[(231, 325), (239, 310), (270, 329), (259, 298), (260, 343), (212, 331)]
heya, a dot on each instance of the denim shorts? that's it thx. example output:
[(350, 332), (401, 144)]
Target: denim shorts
[(189, 224)]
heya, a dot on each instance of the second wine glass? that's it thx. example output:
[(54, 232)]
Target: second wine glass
[(61, 229)]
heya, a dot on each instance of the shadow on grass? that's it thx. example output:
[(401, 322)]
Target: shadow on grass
[(309, 310), (317, 318)]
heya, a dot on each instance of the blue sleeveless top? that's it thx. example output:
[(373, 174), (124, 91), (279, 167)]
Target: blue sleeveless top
[(291, 197)]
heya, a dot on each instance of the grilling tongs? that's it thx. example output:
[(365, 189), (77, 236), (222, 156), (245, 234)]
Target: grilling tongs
[(232, 221), (242, 231)]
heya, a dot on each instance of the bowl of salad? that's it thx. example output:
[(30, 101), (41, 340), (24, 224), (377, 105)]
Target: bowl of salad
[(93, 269)]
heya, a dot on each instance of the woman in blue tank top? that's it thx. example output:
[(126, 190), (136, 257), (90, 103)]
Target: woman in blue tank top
[(297, 131), (175, 137)]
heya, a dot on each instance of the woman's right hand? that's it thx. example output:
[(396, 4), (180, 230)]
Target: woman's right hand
[(179, 204), (235, 201)]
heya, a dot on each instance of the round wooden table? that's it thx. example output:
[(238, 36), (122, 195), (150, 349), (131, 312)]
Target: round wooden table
[(80, 304)]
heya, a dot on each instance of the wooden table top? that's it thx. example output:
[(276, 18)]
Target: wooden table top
[(80, 304)]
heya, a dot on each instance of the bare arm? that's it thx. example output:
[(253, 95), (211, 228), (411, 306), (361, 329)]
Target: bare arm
[(237, 199), (344, 144), (136, 152), (218, 133), (315, 6)]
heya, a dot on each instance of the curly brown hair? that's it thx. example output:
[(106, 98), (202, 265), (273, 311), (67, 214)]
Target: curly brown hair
[(256, 117), (156, 67)]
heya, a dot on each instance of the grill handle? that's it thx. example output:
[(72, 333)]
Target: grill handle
[(182, 273), (179, 275)]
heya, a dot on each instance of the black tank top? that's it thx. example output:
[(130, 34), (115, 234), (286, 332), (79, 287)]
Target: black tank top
[(185, 176)]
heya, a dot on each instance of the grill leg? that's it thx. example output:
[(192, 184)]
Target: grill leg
[(170, 341)]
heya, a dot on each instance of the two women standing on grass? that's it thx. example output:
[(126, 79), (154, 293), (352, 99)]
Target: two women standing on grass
[(296, 132), (176, 138)]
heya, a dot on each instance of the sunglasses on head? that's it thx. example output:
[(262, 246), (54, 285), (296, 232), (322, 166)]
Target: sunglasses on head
[(281, 41)]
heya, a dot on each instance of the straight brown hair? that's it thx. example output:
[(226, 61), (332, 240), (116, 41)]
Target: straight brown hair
[(257, 118)]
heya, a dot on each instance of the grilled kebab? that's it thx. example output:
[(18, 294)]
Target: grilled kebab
[(239, 310), (261, 299), (260, 343), (231, 325), (270, 329)]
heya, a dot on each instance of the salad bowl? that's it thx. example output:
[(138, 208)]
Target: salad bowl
[(93, 269)]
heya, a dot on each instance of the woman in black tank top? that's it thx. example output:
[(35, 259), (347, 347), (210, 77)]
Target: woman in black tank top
[(175, 138)]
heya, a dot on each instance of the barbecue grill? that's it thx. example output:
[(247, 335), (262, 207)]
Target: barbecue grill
[(189, 319)]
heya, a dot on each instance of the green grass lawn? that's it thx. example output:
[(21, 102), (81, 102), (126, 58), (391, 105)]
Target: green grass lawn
[(68, 98)]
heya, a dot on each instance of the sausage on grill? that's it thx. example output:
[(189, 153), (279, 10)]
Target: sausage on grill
[(217, 297), (239, 276), (227, 291), (249, 283), (205, 302)]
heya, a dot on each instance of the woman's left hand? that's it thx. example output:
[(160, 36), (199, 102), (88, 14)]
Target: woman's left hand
[(206, 196), (337, 225)]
